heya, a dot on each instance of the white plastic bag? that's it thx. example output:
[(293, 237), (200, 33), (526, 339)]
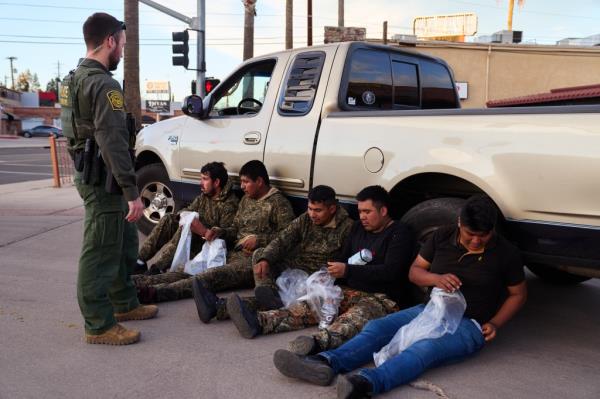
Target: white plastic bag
[(182, 253), (292, 285), (213, 254), (442, 315), (323, 296)]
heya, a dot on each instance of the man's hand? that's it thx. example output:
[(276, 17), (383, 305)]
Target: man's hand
[(336, 269), (249, 243), (210, 235), (489, 331), (261, 269), (136, 209), (448, 282), (198, 228)]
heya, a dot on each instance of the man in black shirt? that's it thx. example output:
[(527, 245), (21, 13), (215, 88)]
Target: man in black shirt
[(473, 258), (370, 291)]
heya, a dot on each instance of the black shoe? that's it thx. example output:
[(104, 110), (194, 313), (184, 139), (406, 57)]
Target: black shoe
[(267, 298), (244, 319), (304, 345), (354, 386), (206, 301), (152, 271), (313, 369), (140, 267)]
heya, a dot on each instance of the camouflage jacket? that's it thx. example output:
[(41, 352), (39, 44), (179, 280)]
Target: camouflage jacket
[(307, 245), (263, 218), (217, 211)]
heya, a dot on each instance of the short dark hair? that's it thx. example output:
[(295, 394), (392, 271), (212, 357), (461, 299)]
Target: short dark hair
[(479, 214), (255, 169), (216, 170), (377, 194), (98, 27), (324, 194)]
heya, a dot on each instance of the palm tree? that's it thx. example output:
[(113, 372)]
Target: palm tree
[(132, 62), (289, 23), (250, 13)]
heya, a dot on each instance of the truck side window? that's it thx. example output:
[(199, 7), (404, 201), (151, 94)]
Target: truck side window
[(406, 84), (438, 90), (369, 80), (301, 83), (244, 93)]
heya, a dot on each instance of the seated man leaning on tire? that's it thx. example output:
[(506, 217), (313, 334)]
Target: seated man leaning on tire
[(216, 206)]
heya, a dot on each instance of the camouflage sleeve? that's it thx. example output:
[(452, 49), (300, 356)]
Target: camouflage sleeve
[(229, 232), (194, 206), (227, 214), (281, 216), (285, 240), (111, 133)]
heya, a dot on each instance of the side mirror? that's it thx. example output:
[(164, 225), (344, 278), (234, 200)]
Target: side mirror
[(192, 106)]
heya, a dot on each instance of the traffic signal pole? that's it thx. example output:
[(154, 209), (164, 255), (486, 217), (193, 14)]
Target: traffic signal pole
[(198, 24)]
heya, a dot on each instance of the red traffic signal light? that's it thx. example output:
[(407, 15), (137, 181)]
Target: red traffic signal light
[(210, 84)]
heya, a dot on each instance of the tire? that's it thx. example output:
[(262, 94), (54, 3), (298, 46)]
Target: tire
[(555, 276), (27, 135), (157, 194), (428, 216)]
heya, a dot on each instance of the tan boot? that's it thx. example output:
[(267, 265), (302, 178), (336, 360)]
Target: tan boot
[(117, 335), (142, 312)]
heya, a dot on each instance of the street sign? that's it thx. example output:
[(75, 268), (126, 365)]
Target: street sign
[(158, 87), (158, 106), (463, 90)]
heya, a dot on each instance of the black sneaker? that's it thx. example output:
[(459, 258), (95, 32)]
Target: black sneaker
[(206, 301), (140, 267), (354, 386), (244, 319), (267, 298), (304, 345), (313, 369)]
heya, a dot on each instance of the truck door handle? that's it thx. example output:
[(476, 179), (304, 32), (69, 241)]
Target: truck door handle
[(252, 138)]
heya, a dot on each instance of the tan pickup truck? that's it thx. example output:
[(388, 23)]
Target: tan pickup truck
[(354, 114)]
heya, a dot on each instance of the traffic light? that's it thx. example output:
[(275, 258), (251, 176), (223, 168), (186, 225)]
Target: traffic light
[(210, 84), (180, 50)]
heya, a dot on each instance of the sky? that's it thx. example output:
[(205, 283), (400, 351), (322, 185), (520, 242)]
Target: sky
[(46, 38)]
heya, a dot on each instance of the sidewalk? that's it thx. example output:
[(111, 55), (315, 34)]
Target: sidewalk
[(21, 142)]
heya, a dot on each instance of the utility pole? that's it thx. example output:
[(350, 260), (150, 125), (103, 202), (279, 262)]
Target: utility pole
[(384, 32), (309, 23), (58, 69), (289, 24), (341, 13), (249, 14), (198, 24), (131, 62), (12, 71)]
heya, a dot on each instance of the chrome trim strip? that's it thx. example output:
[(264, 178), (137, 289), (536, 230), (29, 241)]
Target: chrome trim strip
[(561, 224)]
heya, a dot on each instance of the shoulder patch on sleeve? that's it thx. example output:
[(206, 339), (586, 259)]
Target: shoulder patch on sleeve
[(115, 98)]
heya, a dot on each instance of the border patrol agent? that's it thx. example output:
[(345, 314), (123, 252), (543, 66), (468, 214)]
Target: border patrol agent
[(94, 121)]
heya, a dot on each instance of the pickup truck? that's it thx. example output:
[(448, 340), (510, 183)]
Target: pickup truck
[(355, 114)]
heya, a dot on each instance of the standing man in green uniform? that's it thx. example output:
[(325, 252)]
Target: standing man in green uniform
[(94, 120)]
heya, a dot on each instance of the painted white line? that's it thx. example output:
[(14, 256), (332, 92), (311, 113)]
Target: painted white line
[(24, 164), (25, 173)]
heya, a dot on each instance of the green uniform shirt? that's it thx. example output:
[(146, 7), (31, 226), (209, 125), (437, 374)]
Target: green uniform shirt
[(101, 101)]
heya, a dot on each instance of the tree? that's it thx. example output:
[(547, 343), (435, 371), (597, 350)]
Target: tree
[(289, 24), (35, 83), (250, 13), (23, 81), (132, 62), (53, 85)]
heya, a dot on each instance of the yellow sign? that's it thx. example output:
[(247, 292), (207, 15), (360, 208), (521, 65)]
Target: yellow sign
[(439, 26), (115, 98), (64, 96), (158, 86)]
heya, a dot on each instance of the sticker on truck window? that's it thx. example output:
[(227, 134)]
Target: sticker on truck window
[(351, 101), (368, 97)]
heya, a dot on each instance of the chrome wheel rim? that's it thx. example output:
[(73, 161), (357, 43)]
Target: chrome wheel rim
[(158, 201)]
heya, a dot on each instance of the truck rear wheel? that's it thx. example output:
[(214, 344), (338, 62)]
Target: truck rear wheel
[(555, 276), (428, 216), (157, 194)]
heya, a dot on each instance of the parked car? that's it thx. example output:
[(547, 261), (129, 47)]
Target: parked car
[(42, 131)]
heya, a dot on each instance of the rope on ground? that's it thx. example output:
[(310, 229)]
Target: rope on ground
[(429, 386)]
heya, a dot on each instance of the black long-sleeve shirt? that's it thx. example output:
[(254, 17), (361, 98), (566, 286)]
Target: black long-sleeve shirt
[(393, 251)]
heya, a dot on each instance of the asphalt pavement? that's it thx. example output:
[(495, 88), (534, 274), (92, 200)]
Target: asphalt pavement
[(551, 350), (24, 159)]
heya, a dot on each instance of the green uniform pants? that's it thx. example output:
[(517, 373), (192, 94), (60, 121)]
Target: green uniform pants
[(109, 250)]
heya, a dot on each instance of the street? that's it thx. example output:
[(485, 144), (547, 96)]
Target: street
[(551, 350), (24, 163)]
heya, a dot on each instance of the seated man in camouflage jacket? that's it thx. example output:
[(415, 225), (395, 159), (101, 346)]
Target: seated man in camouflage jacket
[(308, 243), (216, 206), (262, 213)]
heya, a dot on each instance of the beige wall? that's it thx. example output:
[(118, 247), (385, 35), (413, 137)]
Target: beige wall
[(515, 70)]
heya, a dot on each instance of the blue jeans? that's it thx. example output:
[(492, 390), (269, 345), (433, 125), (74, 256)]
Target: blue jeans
[(410, 363)]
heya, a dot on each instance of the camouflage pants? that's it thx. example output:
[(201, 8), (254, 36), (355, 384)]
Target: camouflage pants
[(356, 309), (275, 270), (164, 237), (170, 286)]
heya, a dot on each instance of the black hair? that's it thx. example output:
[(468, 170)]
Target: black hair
[(216, 170), (479, 214), (377, 194), (98, 27), (324, 194), (255, 169)]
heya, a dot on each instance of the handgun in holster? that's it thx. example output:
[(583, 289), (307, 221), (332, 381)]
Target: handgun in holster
[(88, 161)]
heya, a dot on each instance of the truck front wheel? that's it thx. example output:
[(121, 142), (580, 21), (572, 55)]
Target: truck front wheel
[(157, 195), (555, 276), (428, 216)]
